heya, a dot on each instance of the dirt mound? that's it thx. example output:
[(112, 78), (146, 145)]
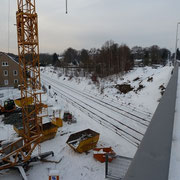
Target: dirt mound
[(162, 88), (139, 88), (150, 79), (136, 79), (124, 88)]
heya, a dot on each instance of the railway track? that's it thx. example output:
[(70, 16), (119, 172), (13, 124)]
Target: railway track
[(125, 131), (123, 104), (123, 111)]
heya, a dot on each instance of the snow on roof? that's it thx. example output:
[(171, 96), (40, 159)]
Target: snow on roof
[(39, 91), (138, 60), (55, 108), (9, 57), (60, 57), (54, 173)]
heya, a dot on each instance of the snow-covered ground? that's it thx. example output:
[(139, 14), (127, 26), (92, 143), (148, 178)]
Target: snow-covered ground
[(121, 119)]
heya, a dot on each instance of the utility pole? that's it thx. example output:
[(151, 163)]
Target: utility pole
[(176, 43)]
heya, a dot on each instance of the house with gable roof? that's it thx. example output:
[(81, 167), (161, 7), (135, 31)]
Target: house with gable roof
[(9, 71)]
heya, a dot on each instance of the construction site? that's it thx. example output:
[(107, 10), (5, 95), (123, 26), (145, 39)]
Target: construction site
[(56, 125)]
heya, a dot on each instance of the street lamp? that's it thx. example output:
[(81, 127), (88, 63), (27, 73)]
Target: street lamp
[(176, 43)]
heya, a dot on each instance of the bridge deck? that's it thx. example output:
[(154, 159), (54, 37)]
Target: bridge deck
[(152, 159), (174, 170)]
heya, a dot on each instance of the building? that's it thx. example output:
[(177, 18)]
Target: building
[(9, 71), (138, 63)]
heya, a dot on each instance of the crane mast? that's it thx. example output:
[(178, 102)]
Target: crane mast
[(20, 151), (28, 52)]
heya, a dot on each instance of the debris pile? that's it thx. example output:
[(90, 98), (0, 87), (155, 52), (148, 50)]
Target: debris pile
[(124, 88), (162, 88), (150, 79), (13, 119), (139, 88), (69, 118), (136, 79)]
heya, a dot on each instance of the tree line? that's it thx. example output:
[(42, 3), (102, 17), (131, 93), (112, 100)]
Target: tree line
[(151, 55), (111, 58)]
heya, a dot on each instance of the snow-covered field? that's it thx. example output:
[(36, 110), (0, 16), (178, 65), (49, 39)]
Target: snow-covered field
[(121, 119)]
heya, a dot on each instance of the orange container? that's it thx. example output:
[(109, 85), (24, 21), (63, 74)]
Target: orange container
[(100, 154)]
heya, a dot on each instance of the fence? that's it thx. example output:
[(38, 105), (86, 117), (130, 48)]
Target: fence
[(117, 168)]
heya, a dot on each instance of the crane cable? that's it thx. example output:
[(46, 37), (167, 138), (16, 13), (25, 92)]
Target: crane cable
[(8, 45), (8, 133), (66, 7)]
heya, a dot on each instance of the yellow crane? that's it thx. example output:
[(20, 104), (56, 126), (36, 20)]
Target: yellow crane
[(19, 152)]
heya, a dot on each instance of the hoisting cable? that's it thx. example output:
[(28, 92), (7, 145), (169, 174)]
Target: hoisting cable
[(66, 7), (8, 133)]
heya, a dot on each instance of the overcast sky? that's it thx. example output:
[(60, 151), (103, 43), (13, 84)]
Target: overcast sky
[(89, 23)]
